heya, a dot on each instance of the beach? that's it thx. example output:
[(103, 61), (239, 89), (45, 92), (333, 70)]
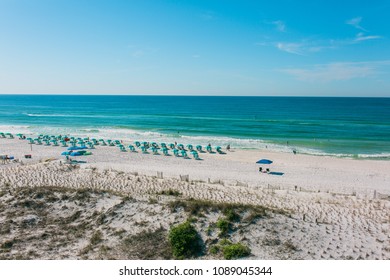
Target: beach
[(319, 207)]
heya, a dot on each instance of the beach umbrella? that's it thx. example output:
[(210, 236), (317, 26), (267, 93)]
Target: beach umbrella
[(264, 161), (65, 153)]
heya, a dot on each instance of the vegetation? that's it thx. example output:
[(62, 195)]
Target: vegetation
[(170, 192), (147, 245), (185, 241), (224, 226), (235, 251), (230, 250)]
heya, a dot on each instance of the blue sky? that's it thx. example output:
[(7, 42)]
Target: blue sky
[(303, 48)]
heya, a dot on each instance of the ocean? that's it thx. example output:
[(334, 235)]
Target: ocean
[(342, 127)]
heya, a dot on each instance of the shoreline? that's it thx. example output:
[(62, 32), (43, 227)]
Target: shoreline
[(129, 135)]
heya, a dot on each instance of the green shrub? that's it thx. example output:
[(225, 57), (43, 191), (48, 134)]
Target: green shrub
[(170, 192), (224, 226), (235, 251), (231, 215), (214, 249), (185, 241)]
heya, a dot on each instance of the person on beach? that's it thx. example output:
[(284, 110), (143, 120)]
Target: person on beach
[(228, 147)]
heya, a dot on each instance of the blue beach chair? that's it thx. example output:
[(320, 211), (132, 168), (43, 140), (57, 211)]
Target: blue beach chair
[(184, 154), (131, 148)]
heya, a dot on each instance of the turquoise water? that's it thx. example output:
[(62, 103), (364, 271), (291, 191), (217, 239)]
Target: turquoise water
[(352, 127)]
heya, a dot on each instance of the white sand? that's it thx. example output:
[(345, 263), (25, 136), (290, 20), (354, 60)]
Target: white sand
[(315, 173), (341, 205)]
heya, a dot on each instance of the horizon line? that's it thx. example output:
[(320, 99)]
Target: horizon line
[(188, 95)]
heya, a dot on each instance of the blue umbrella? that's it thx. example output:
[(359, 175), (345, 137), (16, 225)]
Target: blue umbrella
[(264, 161)]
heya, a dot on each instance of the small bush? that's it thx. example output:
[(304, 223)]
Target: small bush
[(231, 215), (97, 237), (170, 192), (185, 241), (214, 250), (224, 226), (235, 251)]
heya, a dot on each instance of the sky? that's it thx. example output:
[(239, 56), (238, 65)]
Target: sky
[(195, 47)]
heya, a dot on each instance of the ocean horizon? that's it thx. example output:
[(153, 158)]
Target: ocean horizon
[(357, 127)]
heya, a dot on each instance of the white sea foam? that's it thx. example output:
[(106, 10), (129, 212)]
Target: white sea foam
[(131, 135)]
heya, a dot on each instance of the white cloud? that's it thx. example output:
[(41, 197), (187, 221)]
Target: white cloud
[(294, 48), (280, 25), (361, 37), (337, 71), (355, 22)]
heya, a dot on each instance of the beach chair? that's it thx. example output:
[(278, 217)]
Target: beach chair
[(195, 155), (122, 148), (55, 143), (2, 135), (190, 147), (38, 141), (138, 144), (155, 150), (165, 152), (176, 152), (146, 144), (30, 140), (10, 135), (64, 144), (131, 148), (144, 150), (90, 145), (209, 149), (163, 145), (199, 148), (184, 154), (219, 150), (172, 146)]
